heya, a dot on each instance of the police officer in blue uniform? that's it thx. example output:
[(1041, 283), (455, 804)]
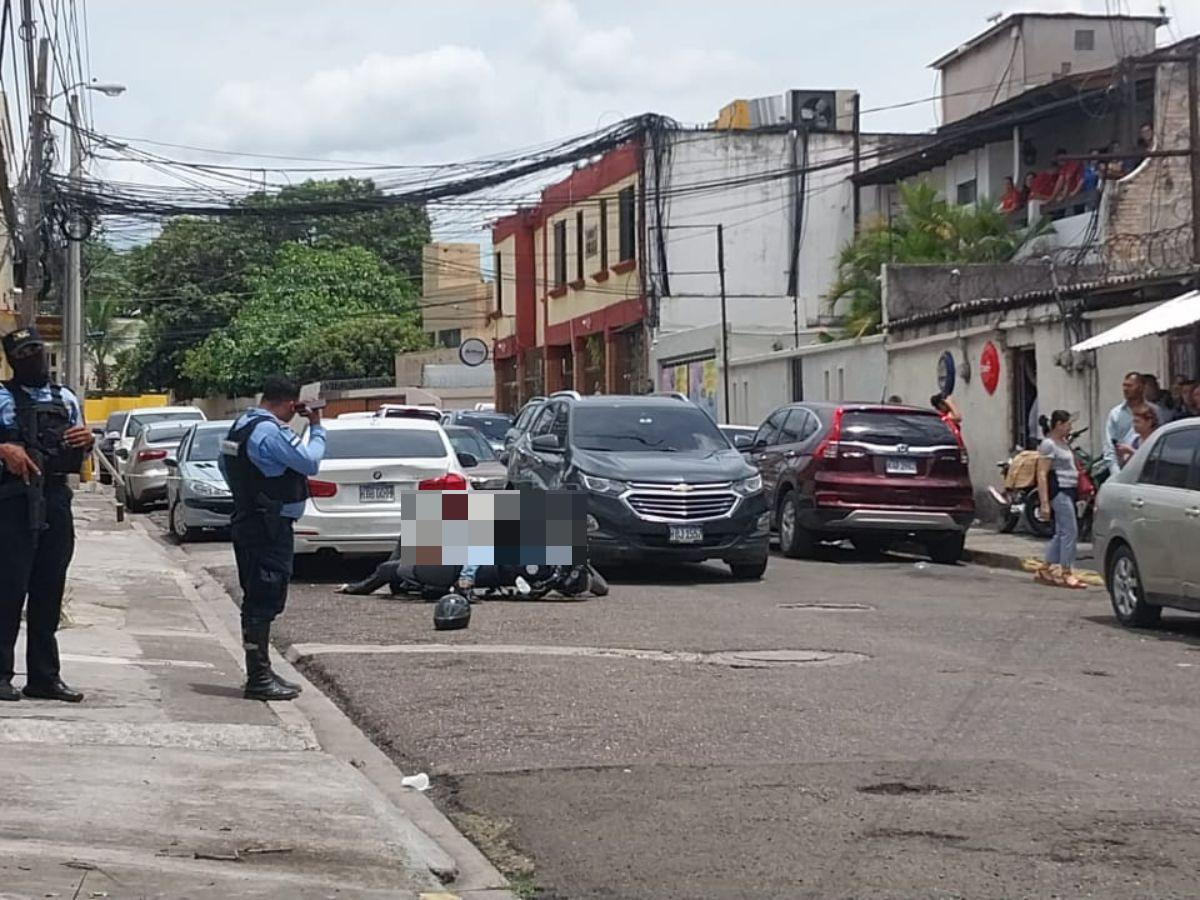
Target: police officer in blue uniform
[(267, 465), (43, 440)]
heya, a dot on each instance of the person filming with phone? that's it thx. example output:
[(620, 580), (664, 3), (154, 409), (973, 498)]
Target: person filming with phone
[(267, 466)]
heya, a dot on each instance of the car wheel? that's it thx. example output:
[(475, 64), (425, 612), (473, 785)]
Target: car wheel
[(1126, 591), (947, 551), (179, 528), (794, 539), (598, 586), (749, 571), (1040, 527)]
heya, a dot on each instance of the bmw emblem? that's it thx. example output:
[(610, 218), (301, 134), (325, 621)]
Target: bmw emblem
[(376, 475)]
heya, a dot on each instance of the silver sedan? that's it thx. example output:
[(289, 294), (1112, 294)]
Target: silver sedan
[(198, 498), (1147, 527)]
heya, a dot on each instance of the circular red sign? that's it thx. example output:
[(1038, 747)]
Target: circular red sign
[(989, 367)]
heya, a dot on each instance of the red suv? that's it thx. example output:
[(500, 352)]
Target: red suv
[(873, 474)]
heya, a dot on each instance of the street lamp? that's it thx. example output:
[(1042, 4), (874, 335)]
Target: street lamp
[(73, 317)]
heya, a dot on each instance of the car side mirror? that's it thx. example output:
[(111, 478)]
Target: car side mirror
[(743, 441), (503, 457), (171, 462), (122, 453), (547, 443), (758, 443), (468, 460)]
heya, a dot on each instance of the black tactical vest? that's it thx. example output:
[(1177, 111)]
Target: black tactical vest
[(39, 425), (253, 492)]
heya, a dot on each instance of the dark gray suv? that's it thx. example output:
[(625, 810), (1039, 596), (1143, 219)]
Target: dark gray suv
[(664, 484)]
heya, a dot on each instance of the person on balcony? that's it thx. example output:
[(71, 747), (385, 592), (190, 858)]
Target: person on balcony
[(1068, 177), (1011, 200), (1093, 172)]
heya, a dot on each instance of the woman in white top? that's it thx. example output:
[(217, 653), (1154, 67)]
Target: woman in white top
[(1058, 489)]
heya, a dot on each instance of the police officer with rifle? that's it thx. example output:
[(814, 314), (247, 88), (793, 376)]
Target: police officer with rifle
[(267, 465), (43, 440)]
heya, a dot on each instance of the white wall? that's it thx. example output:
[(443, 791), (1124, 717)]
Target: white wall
[(757, 219), (846, 370)]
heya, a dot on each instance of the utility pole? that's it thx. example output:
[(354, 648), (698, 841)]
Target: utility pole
[(73, 299), (724, 320), (1194, 144), (38, 78)]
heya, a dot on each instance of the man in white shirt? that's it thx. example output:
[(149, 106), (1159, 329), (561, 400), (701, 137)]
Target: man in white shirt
[(1118, 428)]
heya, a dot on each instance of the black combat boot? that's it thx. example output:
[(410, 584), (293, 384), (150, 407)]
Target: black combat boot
[(7, 691), (261, 683)]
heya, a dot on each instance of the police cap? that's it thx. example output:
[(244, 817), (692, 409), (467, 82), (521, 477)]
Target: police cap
[(18, 340)]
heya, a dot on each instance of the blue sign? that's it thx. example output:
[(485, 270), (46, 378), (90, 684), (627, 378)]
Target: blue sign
[(945, 373)]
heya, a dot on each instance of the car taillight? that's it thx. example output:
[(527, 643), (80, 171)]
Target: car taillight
[(321, 488), (147, 455), (829, 447), (451, 481)]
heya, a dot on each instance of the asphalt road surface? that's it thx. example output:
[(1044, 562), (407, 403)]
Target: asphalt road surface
[(931, 732)]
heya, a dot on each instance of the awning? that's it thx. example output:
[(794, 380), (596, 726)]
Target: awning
[(1181, 312)]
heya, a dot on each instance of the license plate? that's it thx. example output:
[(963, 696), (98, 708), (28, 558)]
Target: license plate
[(898, 465), (685, 534), (376, 493)]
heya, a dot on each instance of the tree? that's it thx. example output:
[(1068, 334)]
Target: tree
[(306, 292), (196, 274), (105, 335), (926, 230), (362, 347)]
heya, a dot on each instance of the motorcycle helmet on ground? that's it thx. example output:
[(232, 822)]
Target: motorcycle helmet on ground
[(451, 613)]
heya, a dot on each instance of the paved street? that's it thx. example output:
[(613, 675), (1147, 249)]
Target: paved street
[(956, 733)]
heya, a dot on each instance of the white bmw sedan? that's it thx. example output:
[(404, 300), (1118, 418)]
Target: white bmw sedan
[(354, 501)]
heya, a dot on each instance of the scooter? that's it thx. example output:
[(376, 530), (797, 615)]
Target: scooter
[(1019, 497), (499, 582)]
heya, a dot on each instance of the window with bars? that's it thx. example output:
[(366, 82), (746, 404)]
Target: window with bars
[(499, 277), (603, 233), (579, 246), (560, 253)]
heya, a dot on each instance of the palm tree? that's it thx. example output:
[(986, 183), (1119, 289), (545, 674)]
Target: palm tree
[(927, 230), (105, 334)]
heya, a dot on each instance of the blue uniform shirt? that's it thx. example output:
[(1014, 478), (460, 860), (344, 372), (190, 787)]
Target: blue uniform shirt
[(274, 448), (8, 406)]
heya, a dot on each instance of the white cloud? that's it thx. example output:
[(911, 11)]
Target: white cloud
[(382, 102)]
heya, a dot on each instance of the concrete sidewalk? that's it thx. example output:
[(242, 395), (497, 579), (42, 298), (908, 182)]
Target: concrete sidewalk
[(165, 783), (988, 547)]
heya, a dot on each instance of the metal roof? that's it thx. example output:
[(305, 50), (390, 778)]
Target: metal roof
[(1178, 312)]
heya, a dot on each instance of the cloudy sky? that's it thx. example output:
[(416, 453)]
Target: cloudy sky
[(407, 82)]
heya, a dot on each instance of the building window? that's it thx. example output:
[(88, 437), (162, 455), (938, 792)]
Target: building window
[(628, 225), (966, 193), (451, 337), (579, 246), (603, 233), (499, 276), (1085, 39), (560, 253)]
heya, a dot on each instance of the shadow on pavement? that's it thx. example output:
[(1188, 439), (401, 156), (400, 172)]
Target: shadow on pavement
[(1182, 629)]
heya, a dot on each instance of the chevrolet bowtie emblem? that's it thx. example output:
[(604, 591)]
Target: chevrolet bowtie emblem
[(682, 488)]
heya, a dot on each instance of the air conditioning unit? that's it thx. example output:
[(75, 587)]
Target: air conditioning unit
[(822, 110)]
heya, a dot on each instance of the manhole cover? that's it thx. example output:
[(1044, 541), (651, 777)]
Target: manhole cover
[(828, 607), (766, 659)]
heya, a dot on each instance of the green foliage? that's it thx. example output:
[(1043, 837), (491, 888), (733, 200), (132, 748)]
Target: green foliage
[(198, 277), (307, 292), (927, 230), (363, 347)]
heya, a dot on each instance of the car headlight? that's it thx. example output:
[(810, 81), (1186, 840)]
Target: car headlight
[(598, 485), (208, 489), (748, 486)]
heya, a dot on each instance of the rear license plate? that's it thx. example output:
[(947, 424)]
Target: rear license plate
[(376, 493), (685, 534), (897, 465)]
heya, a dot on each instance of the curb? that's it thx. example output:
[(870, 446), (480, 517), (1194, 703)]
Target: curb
[(445, 851)]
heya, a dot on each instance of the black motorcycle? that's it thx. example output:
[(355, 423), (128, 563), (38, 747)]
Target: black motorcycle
[(499, 582)]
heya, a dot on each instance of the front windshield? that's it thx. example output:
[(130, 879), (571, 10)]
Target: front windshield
[(493, 427), (468, 440), (663, 429), (206, 445)]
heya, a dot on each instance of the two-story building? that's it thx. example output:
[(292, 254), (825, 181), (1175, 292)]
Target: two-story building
[(568, 269)]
